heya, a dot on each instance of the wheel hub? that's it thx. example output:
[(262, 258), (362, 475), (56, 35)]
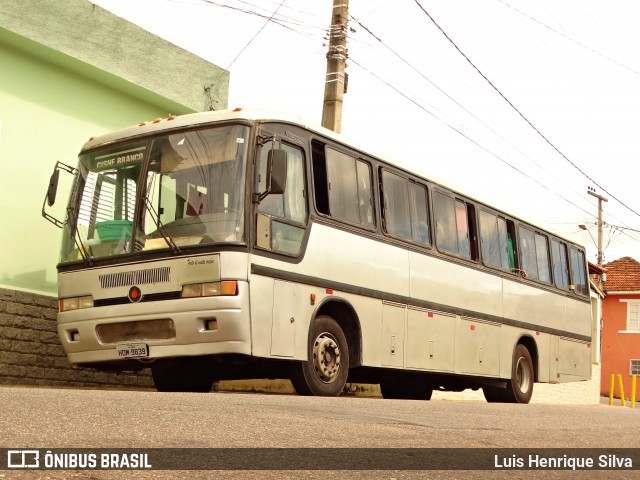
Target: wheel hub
[(326, 357), (523, 376)]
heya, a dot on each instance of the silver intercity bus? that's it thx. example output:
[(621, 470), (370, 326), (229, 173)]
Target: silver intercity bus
[(247, 244)]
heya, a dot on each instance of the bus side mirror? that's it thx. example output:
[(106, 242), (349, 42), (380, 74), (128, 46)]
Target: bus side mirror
[(276, 171), (53, 187), (52, 191)]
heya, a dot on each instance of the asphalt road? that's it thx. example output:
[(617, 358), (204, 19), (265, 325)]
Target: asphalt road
[(68, 418)]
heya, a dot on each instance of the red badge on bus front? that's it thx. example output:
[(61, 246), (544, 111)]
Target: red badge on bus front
[(135, 295)]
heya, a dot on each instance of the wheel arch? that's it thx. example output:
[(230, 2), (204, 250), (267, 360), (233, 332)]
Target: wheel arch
[(529, 342), (343, 312)]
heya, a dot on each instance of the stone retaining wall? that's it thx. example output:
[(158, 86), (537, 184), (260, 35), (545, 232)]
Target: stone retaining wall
[(31, 354)]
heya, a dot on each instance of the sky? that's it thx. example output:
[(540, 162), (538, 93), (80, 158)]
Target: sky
[(522, 104)]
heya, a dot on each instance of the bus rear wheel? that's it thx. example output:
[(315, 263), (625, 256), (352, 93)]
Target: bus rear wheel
[(189, 374), (326, 369), (520, 387)]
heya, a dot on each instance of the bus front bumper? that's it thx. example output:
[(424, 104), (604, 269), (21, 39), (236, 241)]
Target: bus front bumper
[(154, 330)]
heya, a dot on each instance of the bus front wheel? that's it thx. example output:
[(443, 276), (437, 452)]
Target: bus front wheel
[(325, 371)]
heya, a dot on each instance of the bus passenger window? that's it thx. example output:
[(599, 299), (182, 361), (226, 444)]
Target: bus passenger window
[(365, 196), (396, 205), (535, 255), (497, 251), (349, 188), (444, 217), (578, 272), (455, 226), (560, 267), (421, 232), (462, 226)]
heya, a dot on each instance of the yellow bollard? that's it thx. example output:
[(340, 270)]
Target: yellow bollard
[(633, 391), (611, 387), (621, 391)]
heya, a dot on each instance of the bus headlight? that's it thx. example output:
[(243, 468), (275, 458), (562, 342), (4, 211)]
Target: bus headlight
[(76, 303), (210, 289)]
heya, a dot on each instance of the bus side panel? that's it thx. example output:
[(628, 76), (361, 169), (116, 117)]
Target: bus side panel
[(533, 305), (447, 283), (261, 298), (578, 317), (333, 254), (546, 360), (575, 361), (430, 340), (477, 347)]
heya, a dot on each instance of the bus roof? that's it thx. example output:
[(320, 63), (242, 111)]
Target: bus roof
[(202, 118)]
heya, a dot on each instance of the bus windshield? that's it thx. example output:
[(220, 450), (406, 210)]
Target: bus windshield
[(173, 191)]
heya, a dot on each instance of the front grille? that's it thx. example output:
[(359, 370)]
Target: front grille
[(152, 297), (138, 277), (163, 329)]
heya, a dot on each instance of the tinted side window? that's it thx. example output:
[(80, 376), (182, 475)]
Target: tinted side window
[(444, 217), (396, 205), (578, 272), (365, 193), (455, 225), (560, 264), (343, 193), (534, 252), (494, 241), (542, 257), (349, 185), (421, 233)]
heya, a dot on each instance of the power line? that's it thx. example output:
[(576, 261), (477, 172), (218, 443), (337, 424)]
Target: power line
[(257, 33), (567, 37), (520, 113), (461, 133), (441, 90)]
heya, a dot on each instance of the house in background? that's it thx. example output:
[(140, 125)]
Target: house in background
[(621, 324)]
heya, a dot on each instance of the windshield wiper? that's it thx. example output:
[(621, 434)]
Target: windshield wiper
[(156, 218), (77, 238)]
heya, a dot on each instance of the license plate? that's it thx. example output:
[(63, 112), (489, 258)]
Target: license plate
[(133, 350)]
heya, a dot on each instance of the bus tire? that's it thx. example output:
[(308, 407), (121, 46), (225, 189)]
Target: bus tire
[(189, 374), (520, 386), (494, 394), (405, 389), (325, 371)]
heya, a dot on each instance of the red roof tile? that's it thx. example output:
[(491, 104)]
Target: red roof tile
[(623, 275)]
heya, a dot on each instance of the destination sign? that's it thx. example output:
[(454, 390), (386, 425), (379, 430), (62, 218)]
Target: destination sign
[(119, 159)]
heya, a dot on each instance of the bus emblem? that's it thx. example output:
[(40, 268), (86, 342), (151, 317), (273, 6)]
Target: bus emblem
[(135, 295)]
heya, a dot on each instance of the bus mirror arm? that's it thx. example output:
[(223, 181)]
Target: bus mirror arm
[(52, 190)]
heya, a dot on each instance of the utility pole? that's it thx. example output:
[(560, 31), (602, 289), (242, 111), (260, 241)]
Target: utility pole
[(591, 191), (336, 59)]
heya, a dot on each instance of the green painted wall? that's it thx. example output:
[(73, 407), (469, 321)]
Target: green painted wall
[(46, 113)]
